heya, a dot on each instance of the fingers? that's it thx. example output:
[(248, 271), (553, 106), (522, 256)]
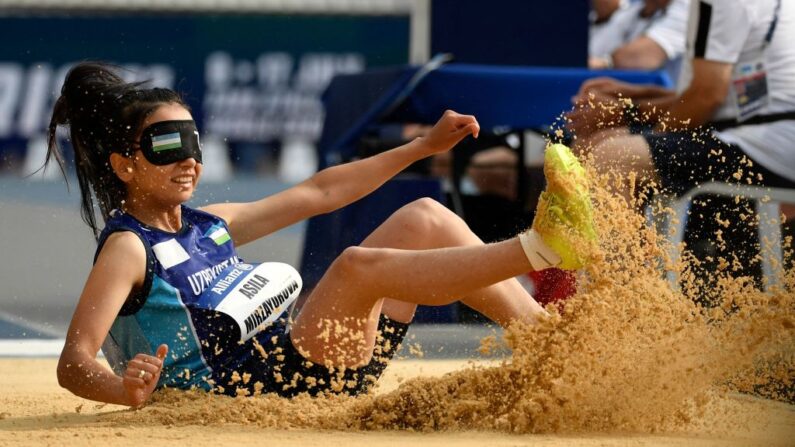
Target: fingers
[(602, 85), (141, 372), (451, 129), (144, 365), (144, 368), (150, 360), (162, 350), (474, 129), (466, 124), (137, 377), (588, 85)]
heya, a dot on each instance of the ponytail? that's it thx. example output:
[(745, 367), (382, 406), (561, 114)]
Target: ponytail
[(104, 114)]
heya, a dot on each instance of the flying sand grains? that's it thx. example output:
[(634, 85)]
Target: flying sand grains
[(626, 353)]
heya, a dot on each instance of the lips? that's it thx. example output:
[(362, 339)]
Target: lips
[(183, 179)]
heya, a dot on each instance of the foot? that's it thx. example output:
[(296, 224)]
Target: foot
[(564, 217)]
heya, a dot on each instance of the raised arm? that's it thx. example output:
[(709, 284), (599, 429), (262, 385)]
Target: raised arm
[(338, 186), (119, 268)]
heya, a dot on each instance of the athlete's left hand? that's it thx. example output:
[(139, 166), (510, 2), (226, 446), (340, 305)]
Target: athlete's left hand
[(449, 130)]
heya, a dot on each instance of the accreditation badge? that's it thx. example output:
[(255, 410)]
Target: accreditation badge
[(750, 89), (254, 295)]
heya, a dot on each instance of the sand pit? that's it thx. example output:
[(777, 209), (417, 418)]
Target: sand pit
[(35, 411), (627, 360)]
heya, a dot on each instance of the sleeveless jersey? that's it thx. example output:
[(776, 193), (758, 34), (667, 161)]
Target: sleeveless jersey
[(179, 267)]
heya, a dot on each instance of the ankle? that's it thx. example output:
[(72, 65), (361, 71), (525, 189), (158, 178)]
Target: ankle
[(539, 254)]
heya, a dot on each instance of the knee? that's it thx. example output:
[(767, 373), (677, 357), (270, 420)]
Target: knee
[(426, 216), (353, 261), (601, 142), (602, 153), (626, 153)]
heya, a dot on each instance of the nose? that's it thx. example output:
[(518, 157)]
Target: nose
[(189, 162)]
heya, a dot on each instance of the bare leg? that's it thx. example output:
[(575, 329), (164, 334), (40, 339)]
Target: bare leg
[(626, 154), (427, 224), (404, 261), (583, 146)]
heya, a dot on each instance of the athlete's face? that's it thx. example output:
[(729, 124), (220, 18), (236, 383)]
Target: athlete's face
[(168, 184)]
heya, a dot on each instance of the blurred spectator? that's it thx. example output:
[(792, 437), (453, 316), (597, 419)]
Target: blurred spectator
[(738, 78), (602, 10), (494, 172), (647, 35)]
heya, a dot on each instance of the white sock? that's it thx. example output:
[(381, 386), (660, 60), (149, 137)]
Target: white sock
[(539, 254)]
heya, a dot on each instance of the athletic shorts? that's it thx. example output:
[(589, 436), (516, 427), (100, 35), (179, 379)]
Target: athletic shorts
[(271, 364), (682, 162)]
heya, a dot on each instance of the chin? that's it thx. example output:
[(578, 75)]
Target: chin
[(184, 197)]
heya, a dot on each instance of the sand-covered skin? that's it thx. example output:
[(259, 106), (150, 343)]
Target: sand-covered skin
[(34, 411)]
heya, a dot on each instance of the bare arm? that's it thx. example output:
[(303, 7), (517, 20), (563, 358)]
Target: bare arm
[(705, 94), (119, 267), (338, 186), (642, 53), (604, 8), (610, 87), (601, 104)]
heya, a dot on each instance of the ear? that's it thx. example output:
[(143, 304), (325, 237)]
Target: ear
[(122, 166)]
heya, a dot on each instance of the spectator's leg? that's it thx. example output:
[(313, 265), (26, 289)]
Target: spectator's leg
[(628, 155), (584, 146)]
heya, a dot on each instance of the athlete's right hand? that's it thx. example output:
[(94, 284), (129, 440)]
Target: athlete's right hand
[(141, 376), (451, 128)]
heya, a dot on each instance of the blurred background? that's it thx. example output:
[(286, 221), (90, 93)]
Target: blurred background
[(253, 73), (280, 89)]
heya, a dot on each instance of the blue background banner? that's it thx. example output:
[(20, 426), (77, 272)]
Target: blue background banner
[(248, 78)]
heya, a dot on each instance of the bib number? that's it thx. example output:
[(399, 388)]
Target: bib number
[(254, 295)]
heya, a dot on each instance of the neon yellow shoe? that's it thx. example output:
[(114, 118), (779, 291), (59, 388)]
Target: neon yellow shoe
[(564, 217)]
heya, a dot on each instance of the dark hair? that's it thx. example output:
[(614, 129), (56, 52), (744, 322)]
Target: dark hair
[(104, 115)]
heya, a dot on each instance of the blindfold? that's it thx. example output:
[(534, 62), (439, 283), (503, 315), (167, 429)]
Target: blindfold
[(167, 142)]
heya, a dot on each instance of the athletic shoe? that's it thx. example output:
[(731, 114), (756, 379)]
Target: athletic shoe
[(564, 217)]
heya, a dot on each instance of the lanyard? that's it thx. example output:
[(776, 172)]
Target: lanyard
[(773, 23)]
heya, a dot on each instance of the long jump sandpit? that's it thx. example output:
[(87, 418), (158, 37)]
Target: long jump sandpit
[(34, 411), (627, 360)]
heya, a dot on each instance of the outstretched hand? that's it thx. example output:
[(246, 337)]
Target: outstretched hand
[(141, 376), (603, 87), (449, 131)]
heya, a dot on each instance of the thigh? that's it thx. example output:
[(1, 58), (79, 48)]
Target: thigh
[(344, 303), (297, 375), (583, 146), (625, 153), (270, 363)]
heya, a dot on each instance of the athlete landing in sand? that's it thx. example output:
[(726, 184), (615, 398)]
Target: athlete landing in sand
[(148, 300)]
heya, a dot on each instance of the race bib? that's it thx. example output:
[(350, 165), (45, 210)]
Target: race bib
[(254, 295), (750, 89)]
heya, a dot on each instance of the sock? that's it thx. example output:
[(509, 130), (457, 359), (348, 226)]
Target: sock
[(539, 254)]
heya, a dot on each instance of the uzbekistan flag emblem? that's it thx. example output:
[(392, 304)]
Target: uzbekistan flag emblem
[(218, 234), (166, 142)]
